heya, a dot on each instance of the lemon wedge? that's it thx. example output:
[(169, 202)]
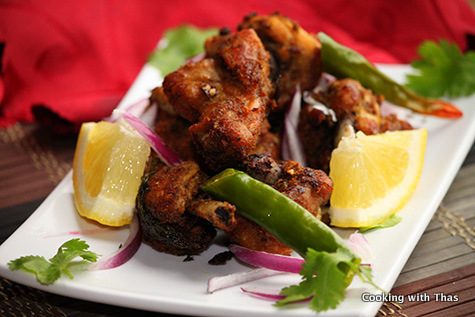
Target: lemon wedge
[(108, 164), (374, 175)]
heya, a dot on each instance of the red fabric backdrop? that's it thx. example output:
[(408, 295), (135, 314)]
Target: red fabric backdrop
[(78, 58)]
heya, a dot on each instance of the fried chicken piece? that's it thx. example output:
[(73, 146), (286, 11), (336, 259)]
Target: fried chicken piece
[(393, 123), (220, 213), (225, 96), (263, 168), (351, 101), (174, 218), (173, 130), (317, 133), (191, 236), (159, 98), (245, 56), (307, 187), (153, 165), (268, 143), (161, 204), (250, 235), (296, 53), (171, 127), (171, 190), (353, 106)]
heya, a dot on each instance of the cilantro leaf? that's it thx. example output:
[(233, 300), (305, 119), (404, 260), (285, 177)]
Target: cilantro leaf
[(325, 277), (49, 271), (366, 275), (443, 71), (183, 42), (390, 222)]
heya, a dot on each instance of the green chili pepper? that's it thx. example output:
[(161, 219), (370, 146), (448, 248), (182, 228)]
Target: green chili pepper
[(289, 222), (342, 62)]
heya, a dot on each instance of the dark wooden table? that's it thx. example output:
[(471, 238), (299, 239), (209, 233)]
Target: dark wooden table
[(33, 161)]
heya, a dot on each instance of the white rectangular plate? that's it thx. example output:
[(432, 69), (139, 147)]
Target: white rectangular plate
[(164, 283)]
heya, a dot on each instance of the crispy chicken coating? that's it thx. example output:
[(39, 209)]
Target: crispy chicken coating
[(296, 53), (308, 187), (263, 168), (171, 190), (225, 96), (159, 98), (174, 130), (317, 132), (268, 142), (351, 101), (252, 236), (190, 236), (220, 213)]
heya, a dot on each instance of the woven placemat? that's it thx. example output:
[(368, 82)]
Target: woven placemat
[(446, 294), (32, 163)]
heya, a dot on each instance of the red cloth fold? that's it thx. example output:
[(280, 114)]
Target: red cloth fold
[(78, 58)]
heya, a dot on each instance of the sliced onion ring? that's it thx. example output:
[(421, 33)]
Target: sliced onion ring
[(307, 97), (220, 282), (292, 148), (263, 293), (125, 253), (325, 81), (158, 145), (358, 244), (267, 294), (79, 232), (266, 260), (137, 109), (196, 58)]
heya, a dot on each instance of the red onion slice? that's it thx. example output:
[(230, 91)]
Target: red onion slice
[(136, 109), (196, 58), (325, 81), (80, 232), (220, 282), (266, 260), (292, 148), (149, 115), (270, 295), (358, 243), (307, 97), (263, 293), (125, 253), (158, 145)]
